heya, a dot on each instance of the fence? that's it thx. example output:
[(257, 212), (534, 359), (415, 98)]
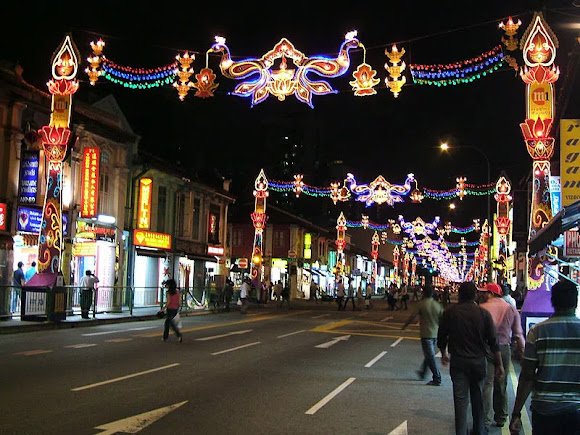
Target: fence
[(115, 299)]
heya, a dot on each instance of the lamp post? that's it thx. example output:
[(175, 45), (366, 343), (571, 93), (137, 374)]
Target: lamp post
[(445, 147)]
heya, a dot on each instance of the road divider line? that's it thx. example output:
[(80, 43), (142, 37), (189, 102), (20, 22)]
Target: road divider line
[(236, 348), (386, 318), (375, 359), (397, 342), (33, 352), (292, 333), (80, 346), (330, 396), (118, 340), (228, 334), (118, 332), (320, 316), (122, 378)]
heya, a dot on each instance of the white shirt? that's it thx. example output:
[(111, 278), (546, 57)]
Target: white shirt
[(89, 281), (510, 300), (244, 290)]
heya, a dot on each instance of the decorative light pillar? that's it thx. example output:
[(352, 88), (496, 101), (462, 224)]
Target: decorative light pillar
[(340, 244), (259, 219), (55, 137), (375, 241), (502, 220), (413, 269), (538, 45), (396, 263), (406, 261)]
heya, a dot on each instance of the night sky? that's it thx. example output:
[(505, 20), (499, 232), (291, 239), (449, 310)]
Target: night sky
[(371, 135)]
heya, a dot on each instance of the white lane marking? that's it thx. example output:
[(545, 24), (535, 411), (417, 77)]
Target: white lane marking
[(526, 424), (138, 422), (397, 342), (320, 316), (375, 359), (236, 348), (292, 333), (400, 429), (33, 352), (122, 378), (215, 337), (386, 318), (332, 342), (330, 396), (118, 332), (80, 346), (118, 340)]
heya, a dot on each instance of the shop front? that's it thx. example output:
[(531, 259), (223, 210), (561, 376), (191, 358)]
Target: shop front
[(152, 266)]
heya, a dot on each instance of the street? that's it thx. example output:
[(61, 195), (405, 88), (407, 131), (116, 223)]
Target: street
[(272, 371)]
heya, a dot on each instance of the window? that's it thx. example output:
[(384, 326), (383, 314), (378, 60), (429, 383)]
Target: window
[(196, 218), (161, 208), (179, 213), (236, 238), (105, 194), (213, 225), (278, 240)]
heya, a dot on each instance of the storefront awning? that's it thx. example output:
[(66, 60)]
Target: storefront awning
[(202, 257), (566, 219)]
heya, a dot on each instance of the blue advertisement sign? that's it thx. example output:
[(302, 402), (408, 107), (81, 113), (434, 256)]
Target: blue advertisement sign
[(30, 219), (555, 194), (28, 182)]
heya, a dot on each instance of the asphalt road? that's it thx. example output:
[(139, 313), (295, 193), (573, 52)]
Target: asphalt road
[(271, 371)]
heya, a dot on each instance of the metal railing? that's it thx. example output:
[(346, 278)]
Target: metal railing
[(113, 299)]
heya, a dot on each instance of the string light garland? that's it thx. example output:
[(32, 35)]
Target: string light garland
[(465, 71), (139, 78)]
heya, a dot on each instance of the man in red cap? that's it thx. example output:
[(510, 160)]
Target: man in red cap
[(506, 319)]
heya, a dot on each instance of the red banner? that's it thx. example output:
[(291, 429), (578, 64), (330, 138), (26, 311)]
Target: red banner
[(90, 182), (3, 216)]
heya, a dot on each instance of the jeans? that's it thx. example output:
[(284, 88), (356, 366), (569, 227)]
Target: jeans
[(467, 375), (560, 424), (495, 406), (169, 323), (15, 300), (428, 345)]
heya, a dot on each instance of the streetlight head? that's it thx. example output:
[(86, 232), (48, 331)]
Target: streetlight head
[(452, 206), (444, 146)]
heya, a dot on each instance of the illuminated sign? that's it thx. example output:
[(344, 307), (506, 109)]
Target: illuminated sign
[(307, 246), (571, 244), (28, 182), (569, 161), (215, 250), (144, 206), (92, 231), (540, 100), (3, 216), (29, 219), (90, 181), (87, 249), (151, 239)]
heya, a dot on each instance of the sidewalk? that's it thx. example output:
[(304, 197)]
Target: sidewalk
[(16, 325)]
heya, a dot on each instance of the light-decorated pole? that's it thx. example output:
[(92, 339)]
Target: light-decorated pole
[(259, 219)]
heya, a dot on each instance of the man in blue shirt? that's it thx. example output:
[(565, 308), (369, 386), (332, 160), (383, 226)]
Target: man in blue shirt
[(30, 272)]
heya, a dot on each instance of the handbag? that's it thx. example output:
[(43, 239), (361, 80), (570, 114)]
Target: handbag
[(177, 321), (160, 314)]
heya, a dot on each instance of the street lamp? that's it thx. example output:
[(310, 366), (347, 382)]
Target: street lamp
[(445, 147)]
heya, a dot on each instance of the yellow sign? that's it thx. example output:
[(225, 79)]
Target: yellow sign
[(570, 160), (87, 249), (144, 206), (60, 115), (540, 101), (90, 182), (151, 239)]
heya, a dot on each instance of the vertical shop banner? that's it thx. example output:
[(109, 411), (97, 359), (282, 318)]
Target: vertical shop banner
[(570, 160), (28, 179), (144, 206), (555, 194), (2, 216), (90, 182)]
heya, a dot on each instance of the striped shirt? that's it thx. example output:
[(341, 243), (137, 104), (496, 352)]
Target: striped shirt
[(553, 347)]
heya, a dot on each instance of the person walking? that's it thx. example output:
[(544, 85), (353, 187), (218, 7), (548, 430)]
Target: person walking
[(551, 368), (172, 306), (278, 291), (30, 272), (340, 294), (87, 285), (429, 312), (350, 296), (228, 292), (368, 296), (286, 295), (17, 283), (506, 319), (404, 297), (507, 295), (245, 290), (467, 330)]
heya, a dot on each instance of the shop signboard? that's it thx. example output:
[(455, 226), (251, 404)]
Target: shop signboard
[(28, 180), (242, 263), (2, 216), (92, 231), (571, 243), (292, 254), (144, 206), (151, 239), (569, 160), (90, 182), (85, 249), (29, 219), (215, 250)]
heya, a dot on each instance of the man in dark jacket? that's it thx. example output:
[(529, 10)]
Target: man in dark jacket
[(468, 331)]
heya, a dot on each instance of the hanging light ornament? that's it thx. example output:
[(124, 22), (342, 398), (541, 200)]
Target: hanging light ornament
[(460, 186), (298, 185), (511, 43), (205, 83), (364, 78), (395, 70), (94, 72), (183, 85), (365, 221)]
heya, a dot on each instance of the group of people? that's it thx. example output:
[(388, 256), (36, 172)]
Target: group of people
[(398, 297), (478, 337), (355, 296), (19, 278)]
